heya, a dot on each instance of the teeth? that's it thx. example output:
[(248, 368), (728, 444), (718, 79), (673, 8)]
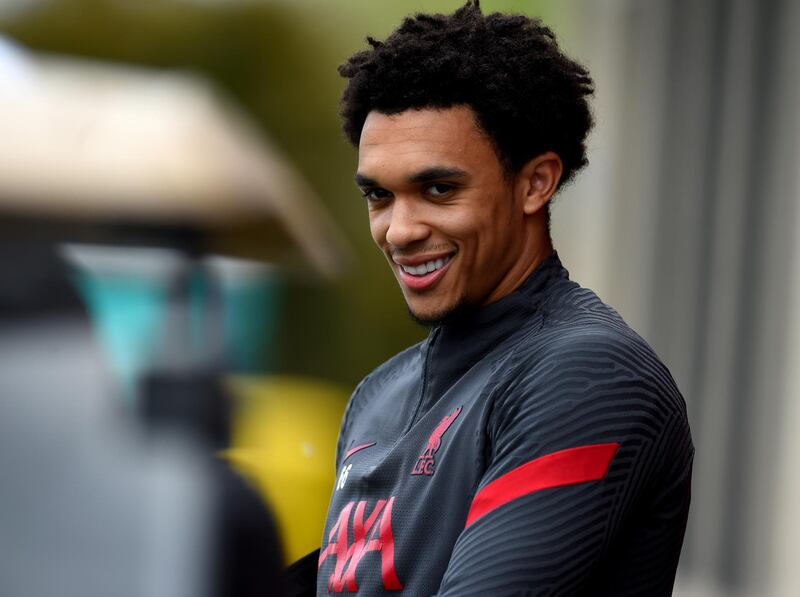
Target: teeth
[(425, 268)]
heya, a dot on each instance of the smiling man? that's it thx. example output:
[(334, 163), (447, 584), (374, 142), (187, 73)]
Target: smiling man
[(533, 444), (440, 201)]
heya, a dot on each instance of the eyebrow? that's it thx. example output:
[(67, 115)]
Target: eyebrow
[(436, 173), (365, 181), (426, 175)]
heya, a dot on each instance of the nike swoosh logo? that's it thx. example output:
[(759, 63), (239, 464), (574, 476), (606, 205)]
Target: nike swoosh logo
[(352, 451)]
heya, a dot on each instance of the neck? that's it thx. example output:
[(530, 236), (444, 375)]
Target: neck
[(536, 247)]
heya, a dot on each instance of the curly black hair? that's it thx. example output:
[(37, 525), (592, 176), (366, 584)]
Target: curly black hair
[(527, 95)]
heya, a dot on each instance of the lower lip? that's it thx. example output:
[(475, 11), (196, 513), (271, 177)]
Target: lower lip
[(419, 283)]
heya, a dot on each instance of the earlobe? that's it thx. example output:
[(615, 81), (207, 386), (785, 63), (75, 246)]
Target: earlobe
[(540, 178)]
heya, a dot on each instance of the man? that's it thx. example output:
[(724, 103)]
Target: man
[(533, 444)]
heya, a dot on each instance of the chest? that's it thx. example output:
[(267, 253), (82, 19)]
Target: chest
[(405, 481)]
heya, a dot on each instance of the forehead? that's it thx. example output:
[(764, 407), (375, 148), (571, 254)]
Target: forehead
[(415, 139)]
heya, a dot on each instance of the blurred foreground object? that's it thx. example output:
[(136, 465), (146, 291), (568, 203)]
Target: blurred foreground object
[(143, 173), (284, 438), (131, 293), (184, 396), (86, 507), (90, 505), (139, 172), (90, 143)]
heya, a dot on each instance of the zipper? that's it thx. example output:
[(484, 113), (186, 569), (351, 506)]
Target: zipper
[(425, 367)]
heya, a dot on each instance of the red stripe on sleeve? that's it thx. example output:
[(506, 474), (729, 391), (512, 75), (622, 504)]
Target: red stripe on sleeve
[(565, 467)]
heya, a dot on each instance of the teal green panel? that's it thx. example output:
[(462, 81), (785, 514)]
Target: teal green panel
[(251, 319), (127, 315)]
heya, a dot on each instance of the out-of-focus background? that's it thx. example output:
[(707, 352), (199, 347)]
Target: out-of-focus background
[(178, 219)]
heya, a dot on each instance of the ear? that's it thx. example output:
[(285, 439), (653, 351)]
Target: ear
[(538, 180)]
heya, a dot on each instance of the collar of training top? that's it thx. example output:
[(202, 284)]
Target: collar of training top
[(455, 347)]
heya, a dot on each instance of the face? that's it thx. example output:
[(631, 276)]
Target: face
[(451, 224)]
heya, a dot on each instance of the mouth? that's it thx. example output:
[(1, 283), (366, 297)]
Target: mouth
[(423, 275)]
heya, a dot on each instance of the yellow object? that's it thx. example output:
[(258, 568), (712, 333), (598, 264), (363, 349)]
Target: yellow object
[(284, 440)]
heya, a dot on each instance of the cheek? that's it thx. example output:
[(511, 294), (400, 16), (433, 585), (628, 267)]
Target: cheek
[(377, 228), (491, 229), (478, 227)]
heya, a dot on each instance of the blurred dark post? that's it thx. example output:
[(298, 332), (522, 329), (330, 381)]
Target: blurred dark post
[(184, 395)]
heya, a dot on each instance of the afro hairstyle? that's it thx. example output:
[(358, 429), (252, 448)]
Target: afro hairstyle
[(527, 95)]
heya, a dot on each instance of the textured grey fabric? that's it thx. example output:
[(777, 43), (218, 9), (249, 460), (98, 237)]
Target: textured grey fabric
[(545, 369)]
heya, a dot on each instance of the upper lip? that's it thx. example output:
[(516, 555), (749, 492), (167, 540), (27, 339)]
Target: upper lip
[(420, 259)]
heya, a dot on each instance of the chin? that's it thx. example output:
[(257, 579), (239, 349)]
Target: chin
[(444, 316)]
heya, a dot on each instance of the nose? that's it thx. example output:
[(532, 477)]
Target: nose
[(406, 226)]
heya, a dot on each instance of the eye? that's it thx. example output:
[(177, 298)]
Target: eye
[(376, 194), (439, 189)]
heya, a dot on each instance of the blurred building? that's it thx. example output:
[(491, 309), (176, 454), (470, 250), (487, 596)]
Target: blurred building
[(687, 221)]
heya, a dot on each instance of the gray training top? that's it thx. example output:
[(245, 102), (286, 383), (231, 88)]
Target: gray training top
[(534, 447)]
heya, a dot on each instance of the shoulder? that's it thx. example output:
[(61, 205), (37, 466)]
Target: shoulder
[(405, 363), (401, 364), (584, 364), (588, 384)]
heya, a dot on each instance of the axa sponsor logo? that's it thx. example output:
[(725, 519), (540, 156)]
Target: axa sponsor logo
[(371, 534), (426, 462)]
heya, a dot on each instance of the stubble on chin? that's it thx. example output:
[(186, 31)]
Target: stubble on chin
[(452, 315)]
